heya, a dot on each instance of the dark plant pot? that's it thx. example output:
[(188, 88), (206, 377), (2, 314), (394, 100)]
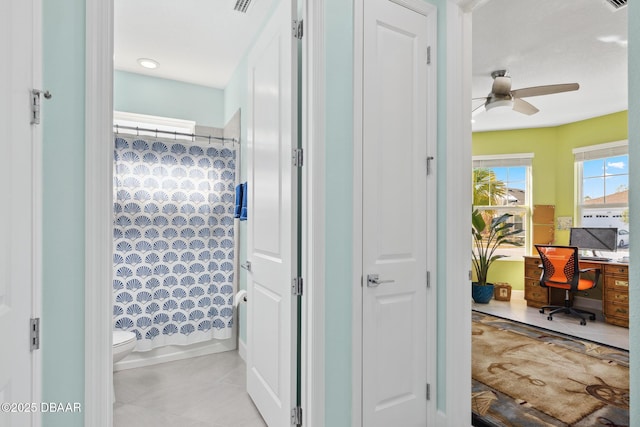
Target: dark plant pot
[(482, 294)]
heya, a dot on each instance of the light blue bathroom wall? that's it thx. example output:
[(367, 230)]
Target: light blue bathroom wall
[(137, 93), (235, 98), (634, 205), (62, 344)]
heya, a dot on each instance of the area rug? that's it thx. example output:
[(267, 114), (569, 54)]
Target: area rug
[(525, 376)]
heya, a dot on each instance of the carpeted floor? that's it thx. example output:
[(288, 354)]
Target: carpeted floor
[(525, 376)]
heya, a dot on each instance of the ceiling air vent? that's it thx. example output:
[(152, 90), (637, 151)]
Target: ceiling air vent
[(617, 4), (243, 5)]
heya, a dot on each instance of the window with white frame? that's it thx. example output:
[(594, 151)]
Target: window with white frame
[(502, 184), (602, 188)]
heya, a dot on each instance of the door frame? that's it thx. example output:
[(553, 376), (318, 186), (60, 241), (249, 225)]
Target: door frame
[(98, 375), (449, 359)]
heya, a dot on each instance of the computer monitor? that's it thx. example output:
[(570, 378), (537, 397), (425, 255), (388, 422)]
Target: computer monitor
[(594, 239)]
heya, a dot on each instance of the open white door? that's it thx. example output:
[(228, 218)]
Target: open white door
[(18, 216), (272, 240), (395, 213)]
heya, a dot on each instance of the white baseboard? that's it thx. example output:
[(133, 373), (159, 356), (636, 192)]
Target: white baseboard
[(517, 294), (174, 352), (242, 349)]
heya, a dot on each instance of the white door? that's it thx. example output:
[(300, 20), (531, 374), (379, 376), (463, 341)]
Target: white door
[(272, 240), (394, 223), (18, 139)]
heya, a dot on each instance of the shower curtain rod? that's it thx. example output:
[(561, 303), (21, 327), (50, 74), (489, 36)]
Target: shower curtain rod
[(174, 133)]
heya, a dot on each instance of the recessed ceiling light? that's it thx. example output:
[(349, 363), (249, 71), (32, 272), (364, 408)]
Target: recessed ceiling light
[(148, 63)]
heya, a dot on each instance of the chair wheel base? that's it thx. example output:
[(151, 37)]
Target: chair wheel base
[(592, 317), (549, 318), (542, 310), (583, 322)]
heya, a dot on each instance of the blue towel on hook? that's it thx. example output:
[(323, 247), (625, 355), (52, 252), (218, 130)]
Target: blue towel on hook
[(238, 207), (243, 210)]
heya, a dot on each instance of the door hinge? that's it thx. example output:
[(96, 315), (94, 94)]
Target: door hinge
[(296, 416), (298, 28), (429, 159), (428, 279), (35, 104), (297, 157), (428, 55), (470, 275), (296, 286), (428, 391), (34, 333)]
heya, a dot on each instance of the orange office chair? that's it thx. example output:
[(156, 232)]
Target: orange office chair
[(560, 269)]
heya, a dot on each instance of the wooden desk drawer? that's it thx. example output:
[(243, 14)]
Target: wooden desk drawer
[(534, 292), (616, 283), (616, 310), (531, 268), (532, 262), (618, 297), (616, 269), (617, 321), (532, 272)]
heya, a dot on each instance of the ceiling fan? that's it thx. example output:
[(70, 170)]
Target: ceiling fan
[(502, 96)]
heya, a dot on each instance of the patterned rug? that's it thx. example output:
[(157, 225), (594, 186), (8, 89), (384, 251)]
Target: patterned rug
[(525, 376)]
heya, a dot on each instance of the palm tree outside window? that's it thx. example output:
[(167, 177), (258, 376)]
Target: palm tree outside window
[(502, 184)]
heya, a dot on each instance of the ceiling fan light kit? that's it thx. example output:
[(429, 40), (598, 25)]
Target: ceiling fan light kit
[(502, 96), (499, 103)]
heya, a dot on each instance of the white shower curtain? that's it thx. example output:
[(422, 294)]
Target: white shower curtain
[(174, 256)]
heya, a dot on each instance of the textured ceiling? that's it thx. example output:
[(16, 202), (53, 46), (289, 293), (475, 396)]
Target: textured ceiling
[(196, 41), (539, 42), (543, 42)]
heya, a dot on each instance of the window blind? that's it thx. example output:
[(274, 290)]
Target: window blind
[(506, 160), (600, 151)]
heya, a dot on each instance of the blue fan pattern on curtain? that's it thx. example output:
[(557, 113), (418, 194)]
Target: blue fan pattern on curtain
[(173, 241)]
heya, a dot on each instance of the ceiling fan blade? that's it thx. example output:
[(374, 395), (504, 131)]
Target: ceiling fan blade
[(544, 90), (501, 85), (479, 109), (522, 106)]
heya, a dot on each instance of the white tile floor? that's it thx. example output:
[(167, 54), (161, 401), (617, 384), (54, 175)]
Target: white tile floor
[(201, 391), (597, 330)]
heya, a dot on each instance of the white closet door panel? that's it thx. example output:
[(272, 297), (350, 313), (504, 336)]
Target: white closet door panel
[(394, 215)]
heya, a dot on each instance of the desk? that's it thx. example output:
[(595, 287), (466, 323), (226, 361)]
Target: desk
[(614, 278)]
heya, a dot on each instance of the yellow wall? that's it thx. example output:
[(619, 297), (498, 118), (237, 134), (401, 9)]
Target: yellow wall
[(552, 168)]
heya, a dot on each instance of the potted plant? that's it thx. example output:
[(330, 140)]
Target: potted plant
[(486, 239)]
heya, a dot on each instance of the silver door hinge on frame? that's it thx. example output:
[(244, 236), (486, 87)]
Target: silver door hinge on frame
[(34, 333), (296, 416), (297, 157), (298, 28), (429, 159), (35, 104), (296, 286), (428, 279), (428, 55), (428, 391)]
